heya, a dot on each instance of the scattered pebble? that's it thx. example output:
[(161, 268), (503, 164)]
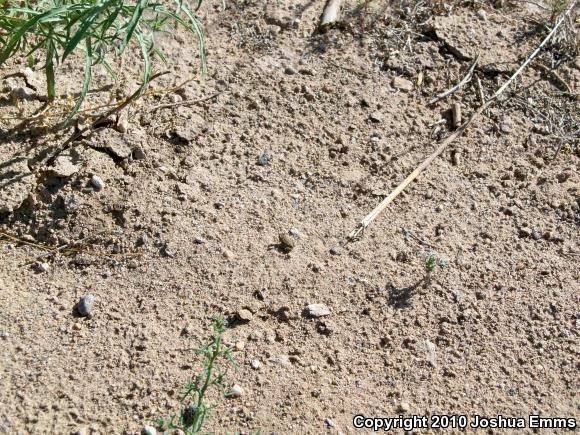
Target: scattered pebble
[(402, 84), (335, 250), (264, 159), (123, 124), (376, 117), (85, 305), (244, 315), (289, 70), (199, 241), (228, 254), (255, 364), (295, 232), (525, 232), (287, 243), (482, 15), (148, 430), (76, 326), (431, 351), (97, 182), (219, 205), (236, 391), (42, 267), (239, 346), (318, 310), (139, 153), (329, 423)]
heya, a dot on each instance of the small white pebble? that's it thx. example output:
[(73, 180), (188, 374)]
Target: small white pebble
[(43, 267), (148, 430), (97, 182), (256, 365), (236, 391)]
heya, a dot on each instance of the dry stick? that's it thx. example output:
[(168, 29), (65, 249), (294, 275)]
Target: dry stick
[(330, 13), (101, 119), (184, 103), (556, 76), (373, 214), (458, 86)]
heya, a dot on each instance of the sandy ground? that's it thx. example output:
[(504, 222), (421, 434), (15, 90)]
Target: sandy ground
[(304, 135)]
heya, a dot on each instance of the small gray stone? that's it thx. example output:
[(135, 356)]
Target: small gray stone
[(335, 251), (139, 153), (148, 430), (264, 159), (329, 423), (482, 15), (289, 71), (85, 305), (318, 310), (255, 364), (97, 182)]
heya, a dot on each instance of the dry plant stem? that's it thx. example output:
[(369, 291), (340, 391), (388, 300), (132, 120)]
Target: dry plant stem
[(378, 209), (559, 79), (330, 13), (458, 86), (185, 103), (100, 119)]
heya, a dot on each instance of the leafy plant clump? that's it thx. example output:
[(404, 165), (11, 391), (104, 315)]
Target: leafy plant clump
[(432, 261), (195, 411), (98, 28)]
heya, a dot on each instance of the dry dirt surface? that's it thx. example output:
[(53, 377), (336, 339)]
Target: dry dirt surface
[(302, 134)]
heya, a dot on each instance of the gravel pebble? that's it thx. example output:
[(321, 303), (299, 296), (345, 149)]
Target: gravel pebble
[(256, 365), (264, 159), (42, 267), (318, 310), (286, 242), (97, 182), (244, 315), (335, 251), (85, 305), (236, 391), (148, 430)]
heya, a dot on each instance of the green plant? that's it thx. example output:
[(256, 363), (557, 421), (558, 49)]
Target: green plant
[(98, 28), (556, 8), (195, 410), (432, 261)]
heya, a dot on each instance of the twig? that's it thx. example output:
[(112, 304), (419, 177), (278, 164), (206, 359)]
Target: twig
[(458, 86), (480, 92), (558, 78), (100, 119), (184, 103), (378, 209)]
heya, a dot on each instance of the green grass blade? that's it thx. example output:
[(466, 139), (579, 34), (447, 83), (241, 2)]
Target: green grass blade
[(132, 25), (49, 71), (86, 83)]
